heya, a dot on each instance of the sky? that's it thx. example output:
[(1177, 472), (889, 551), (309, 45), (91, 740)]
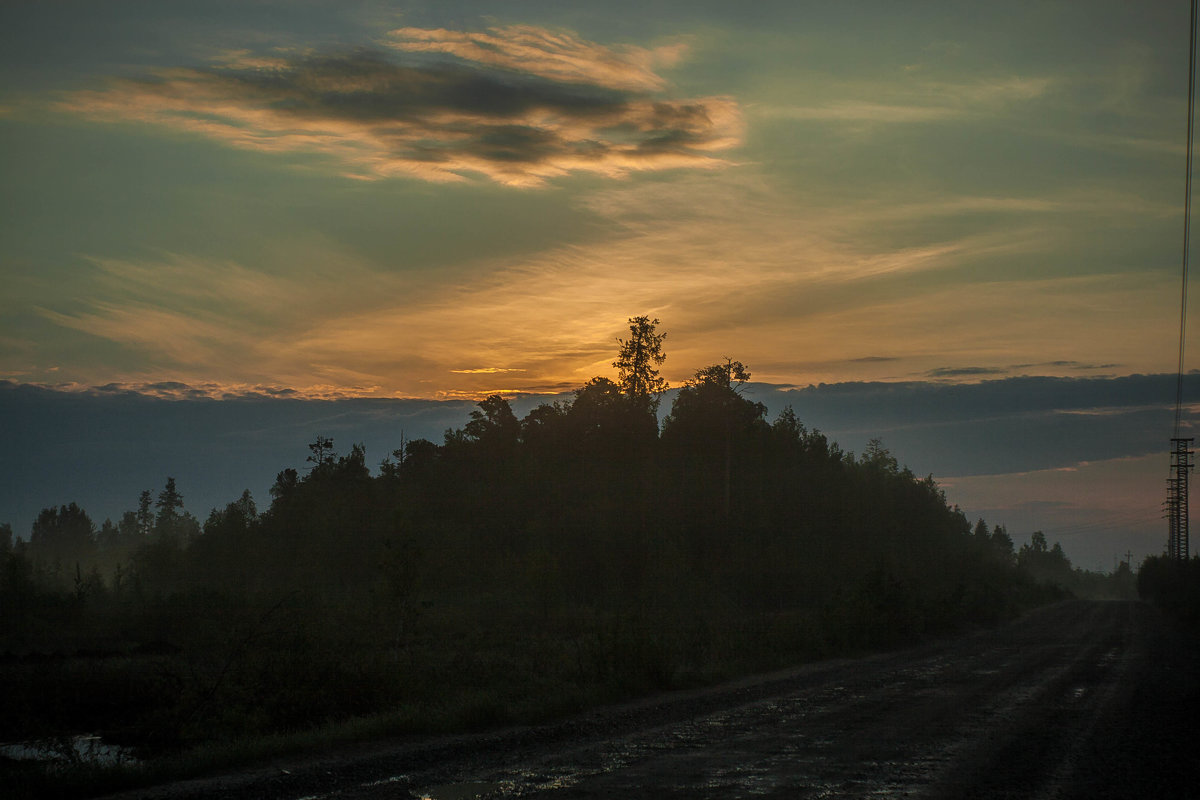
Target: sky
[(960, 222)]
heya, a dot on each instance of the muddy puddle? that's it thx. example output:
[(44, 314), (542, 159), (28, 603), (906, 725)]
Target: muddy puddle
[(79, 749)]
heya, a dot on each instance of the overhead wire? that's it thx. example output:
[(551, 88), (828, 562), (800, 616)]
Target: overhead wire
[(1187, 219)]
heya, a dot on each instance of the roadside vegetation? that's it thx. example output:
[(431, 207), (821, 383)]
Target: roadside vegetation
[(1173, 586), (518, 570)]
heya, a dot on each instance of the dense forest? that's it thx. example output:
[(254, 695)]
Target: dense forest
[(518, 569)]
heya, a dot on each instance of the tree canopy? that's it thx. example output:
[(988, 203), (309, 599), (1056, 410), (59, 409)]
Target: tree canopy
[(638, 361)]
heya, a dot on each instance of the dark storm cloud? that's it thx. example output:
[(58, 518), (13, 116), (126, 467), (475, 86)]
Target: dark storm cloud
[(923, 401), (963, 372), (437, 118), (365, 85), (997, 426), (1073, 365)]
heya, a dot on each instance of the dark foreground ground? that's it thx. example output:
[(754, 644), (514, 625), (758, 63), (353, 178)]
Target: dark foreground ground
[(1078, 700)]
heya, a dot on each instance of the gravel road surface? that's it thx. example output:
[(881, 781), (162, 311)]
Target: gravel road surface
[(1077, 700)]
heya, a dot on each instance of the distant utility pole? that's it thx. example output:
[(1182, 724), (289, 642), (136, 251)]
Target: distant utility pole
[(1178, 546)]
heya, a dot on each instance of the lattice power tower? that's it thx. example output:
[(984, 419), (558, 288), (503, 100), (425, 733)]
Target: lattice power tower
[(1178, 546), (1177, 499)]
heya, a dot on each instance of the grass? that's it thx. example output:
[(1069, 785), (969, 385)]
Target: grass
[(465, 712), (306, 691)]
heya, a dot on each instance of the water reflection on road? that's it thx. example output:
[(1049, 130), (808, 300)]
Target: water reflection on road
[(1039, 708), (82, 748), (927, 722), (471, 790)]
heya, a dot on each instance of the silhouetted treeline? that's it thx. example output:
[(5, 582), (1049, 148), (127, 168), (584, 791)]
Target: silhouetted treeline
[(517, 567), (1173, 585)]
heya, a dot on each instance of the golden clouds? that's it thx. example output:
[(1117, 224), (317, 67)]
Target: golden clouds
[(484, 371), (967, 331), (206, 321), (732, 265), (517, 105), (555, 55)]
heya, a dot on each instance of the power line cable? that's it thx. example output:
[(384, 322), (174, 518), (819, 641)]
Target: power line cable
[(1187, 219)]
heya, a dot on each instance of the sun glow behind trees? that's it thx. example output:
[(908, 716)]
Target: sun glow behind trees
[(520, 567)]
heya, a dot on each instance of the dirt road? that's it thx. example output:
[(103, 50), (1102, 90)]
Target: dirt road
[(1081, 699)]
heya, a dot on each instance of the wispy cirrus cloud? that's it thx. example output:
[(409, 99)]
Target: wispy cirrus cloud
[(193, 319), (485, 370), (171, 336), (517, 106), (862, 111), (555, 55), (918, 100), (728, 263)]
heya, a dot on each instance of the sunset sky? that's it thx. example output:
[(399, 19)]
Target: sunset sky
[(439, 200)]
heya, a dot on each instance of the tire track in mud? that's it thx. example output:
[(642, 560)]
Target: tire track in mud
[(886, 729), (1028, 742)]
